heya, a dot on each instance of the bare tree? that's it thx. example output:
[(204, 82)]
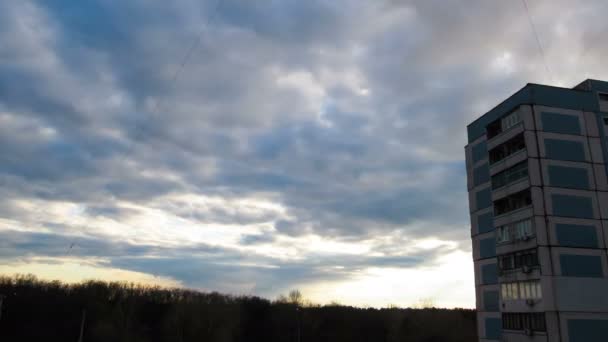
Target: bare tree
[(425, 303), (295, 297)]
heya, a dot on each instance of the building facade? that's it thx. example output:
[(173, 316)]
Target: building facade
[(537, 174)]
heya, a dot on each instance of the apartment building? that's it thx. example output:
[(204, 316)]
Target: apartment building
[(537, 174)]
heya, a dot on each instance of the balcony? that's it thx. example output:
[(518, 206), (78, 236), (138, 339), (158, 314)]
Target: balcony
[(509, 176), (506, 149), (503, 125), (513, 202)]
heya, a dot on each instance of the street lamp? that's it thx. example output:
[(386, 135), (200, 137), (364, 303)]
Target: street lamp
[(1, 300)]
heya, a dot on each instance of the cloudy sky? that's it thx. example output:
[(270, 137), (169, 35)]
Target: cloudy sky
[(253, 147)]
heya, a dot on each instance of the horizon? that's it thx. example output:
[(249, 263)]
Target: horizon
[(300, 299), (258, 148)]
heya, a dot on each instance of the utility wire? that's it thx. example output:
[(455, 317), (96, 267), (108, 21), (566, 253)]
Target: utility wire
[(538, 43), (156, 105)]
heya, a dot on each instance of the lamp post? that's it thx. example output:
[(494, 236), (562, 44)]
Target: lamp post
[(84, 317), (1, 300), (299, 313)]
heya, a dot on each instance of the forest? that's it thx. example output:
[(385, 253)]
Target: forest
[(36, 310)]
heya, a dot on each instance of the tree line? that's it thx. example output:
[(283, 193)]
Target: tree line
[(37, 310)]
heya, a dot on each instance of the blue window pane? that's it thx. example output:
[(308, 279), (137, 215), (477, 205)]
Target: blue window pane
[(481, 174), (490, 301), (485, 223), (564, 150), (568, 177), (487, 248), (493, 328), (589, 266), (588, 330), (574, 235), (560, 123), (572, 206), (479, 151), (489, 274), (483, 198)]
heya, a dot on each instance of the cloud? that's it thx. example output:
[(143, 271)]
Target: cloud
[(199, 265), (288, 124)]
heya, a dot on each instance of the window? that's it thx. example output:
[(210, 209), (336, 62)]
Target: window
[(507, 263), (513, 202), (493, 129), (503, 234), (503, 124), (509, 291), (507, 148), (521, 290), (510, 175), (510, 121), (479, 151), (603, 96), (572, 206), (534, 321), (517, 260), (520, 230), (526, 259), (588, 266), (569, 150), (568, 177)]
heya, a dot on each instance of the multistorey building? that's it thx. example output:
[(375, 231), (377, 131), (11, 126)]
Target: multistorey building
[(537, 168)]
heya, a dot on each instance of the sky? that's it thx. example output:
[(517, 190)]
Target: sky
[(254, 147)]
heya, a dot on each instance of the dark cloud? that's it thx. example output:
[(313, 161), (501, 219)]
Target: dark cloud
[(255, 239), (18, 244)]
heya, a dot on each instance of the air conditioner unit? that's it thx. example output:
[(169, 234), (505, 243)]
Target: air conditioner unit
[(529, 332), (530, 302), (526, 269), (525, 238)]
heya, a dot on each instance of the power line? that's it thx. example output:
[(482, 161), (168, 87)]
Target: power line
[(538, 43), (156, 105), (193, 47)]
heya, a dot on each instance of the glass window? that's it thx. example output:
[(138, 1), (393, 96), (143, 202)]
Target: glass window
[(538, 322), (510, 120), (513, 202), (502, 234), (523, 229), (514, 291), (533, 291), (510, 175), (521, 321), (506, 262), (508, 148), (521, 290)]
